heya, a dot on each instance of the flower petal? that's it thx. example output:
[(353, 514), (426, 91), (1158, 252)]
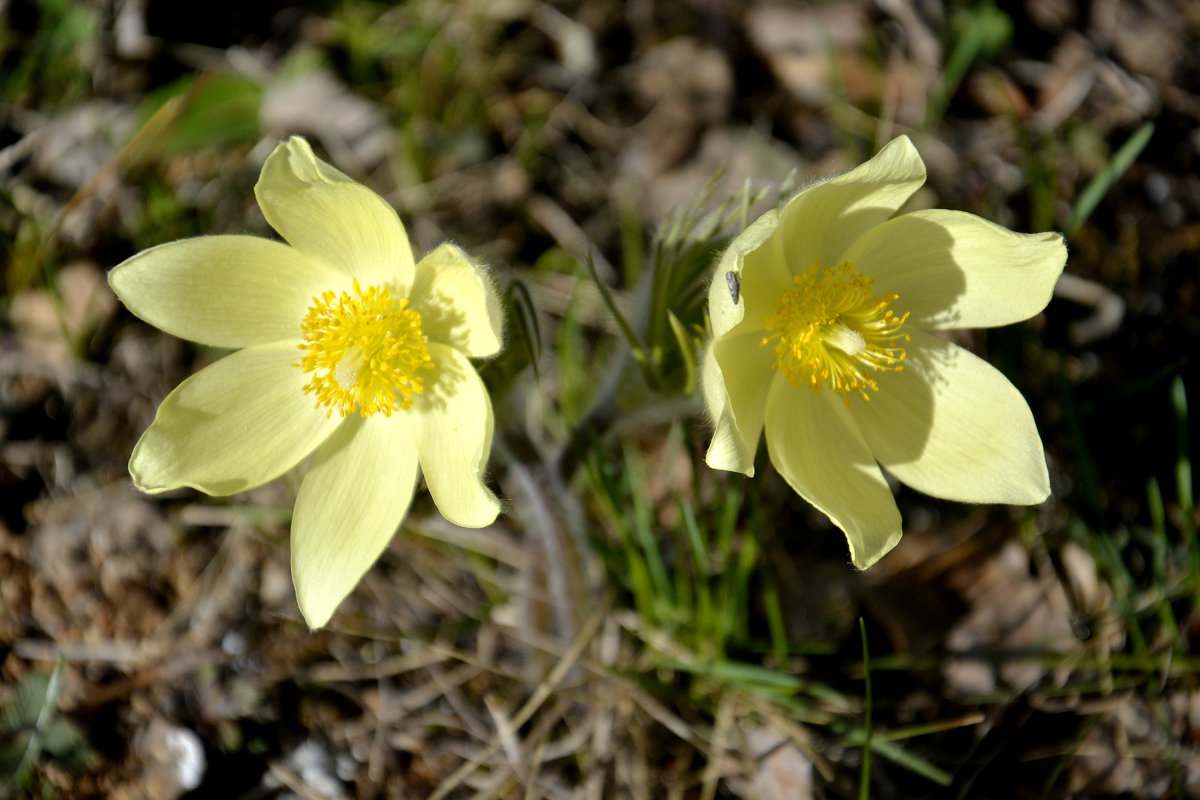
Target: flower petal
[(454, 439), (457, 302), (764, 278), (234, 425), (822, 221), (756, 276), (223, 291), (735, 377), (956, 270), (952, 426), (325, 214), (817, 448), (351, 501)]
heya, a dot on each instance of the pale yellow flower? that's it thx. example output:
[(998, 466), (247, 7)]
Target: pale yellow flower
[(821, 315), (347, 350)]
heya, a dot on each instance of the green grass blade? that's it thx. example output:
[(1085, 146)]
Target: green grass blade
[(48, 707), (1091, 196), (703, 613), (643, 528), (611, 304), (987, 28), (915, 764), (778, 633), (1077, 741), (521, 301), (737, 673), (633, 236), (883, 747), (864, 781), (1183, 463)]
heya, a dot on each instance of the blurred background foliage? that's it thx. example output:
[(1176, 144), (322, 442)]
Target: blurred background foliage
[(635, 625)]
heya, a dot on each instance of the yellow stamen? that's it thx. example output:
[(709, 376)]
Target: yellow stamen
[(829, 330), (363, 350)]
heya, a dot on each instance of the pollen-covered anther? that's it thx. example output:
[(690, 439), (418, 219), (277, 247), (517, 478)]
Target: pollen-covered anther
[(830, 330), (363, 350)]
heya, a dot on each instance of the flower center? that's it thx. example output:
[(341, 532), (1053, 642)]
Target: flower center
[(363, 351), (830, 330)]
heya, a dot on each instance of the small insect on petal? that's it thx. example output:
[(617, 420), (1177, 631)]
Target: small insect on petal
[(735, 287)]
